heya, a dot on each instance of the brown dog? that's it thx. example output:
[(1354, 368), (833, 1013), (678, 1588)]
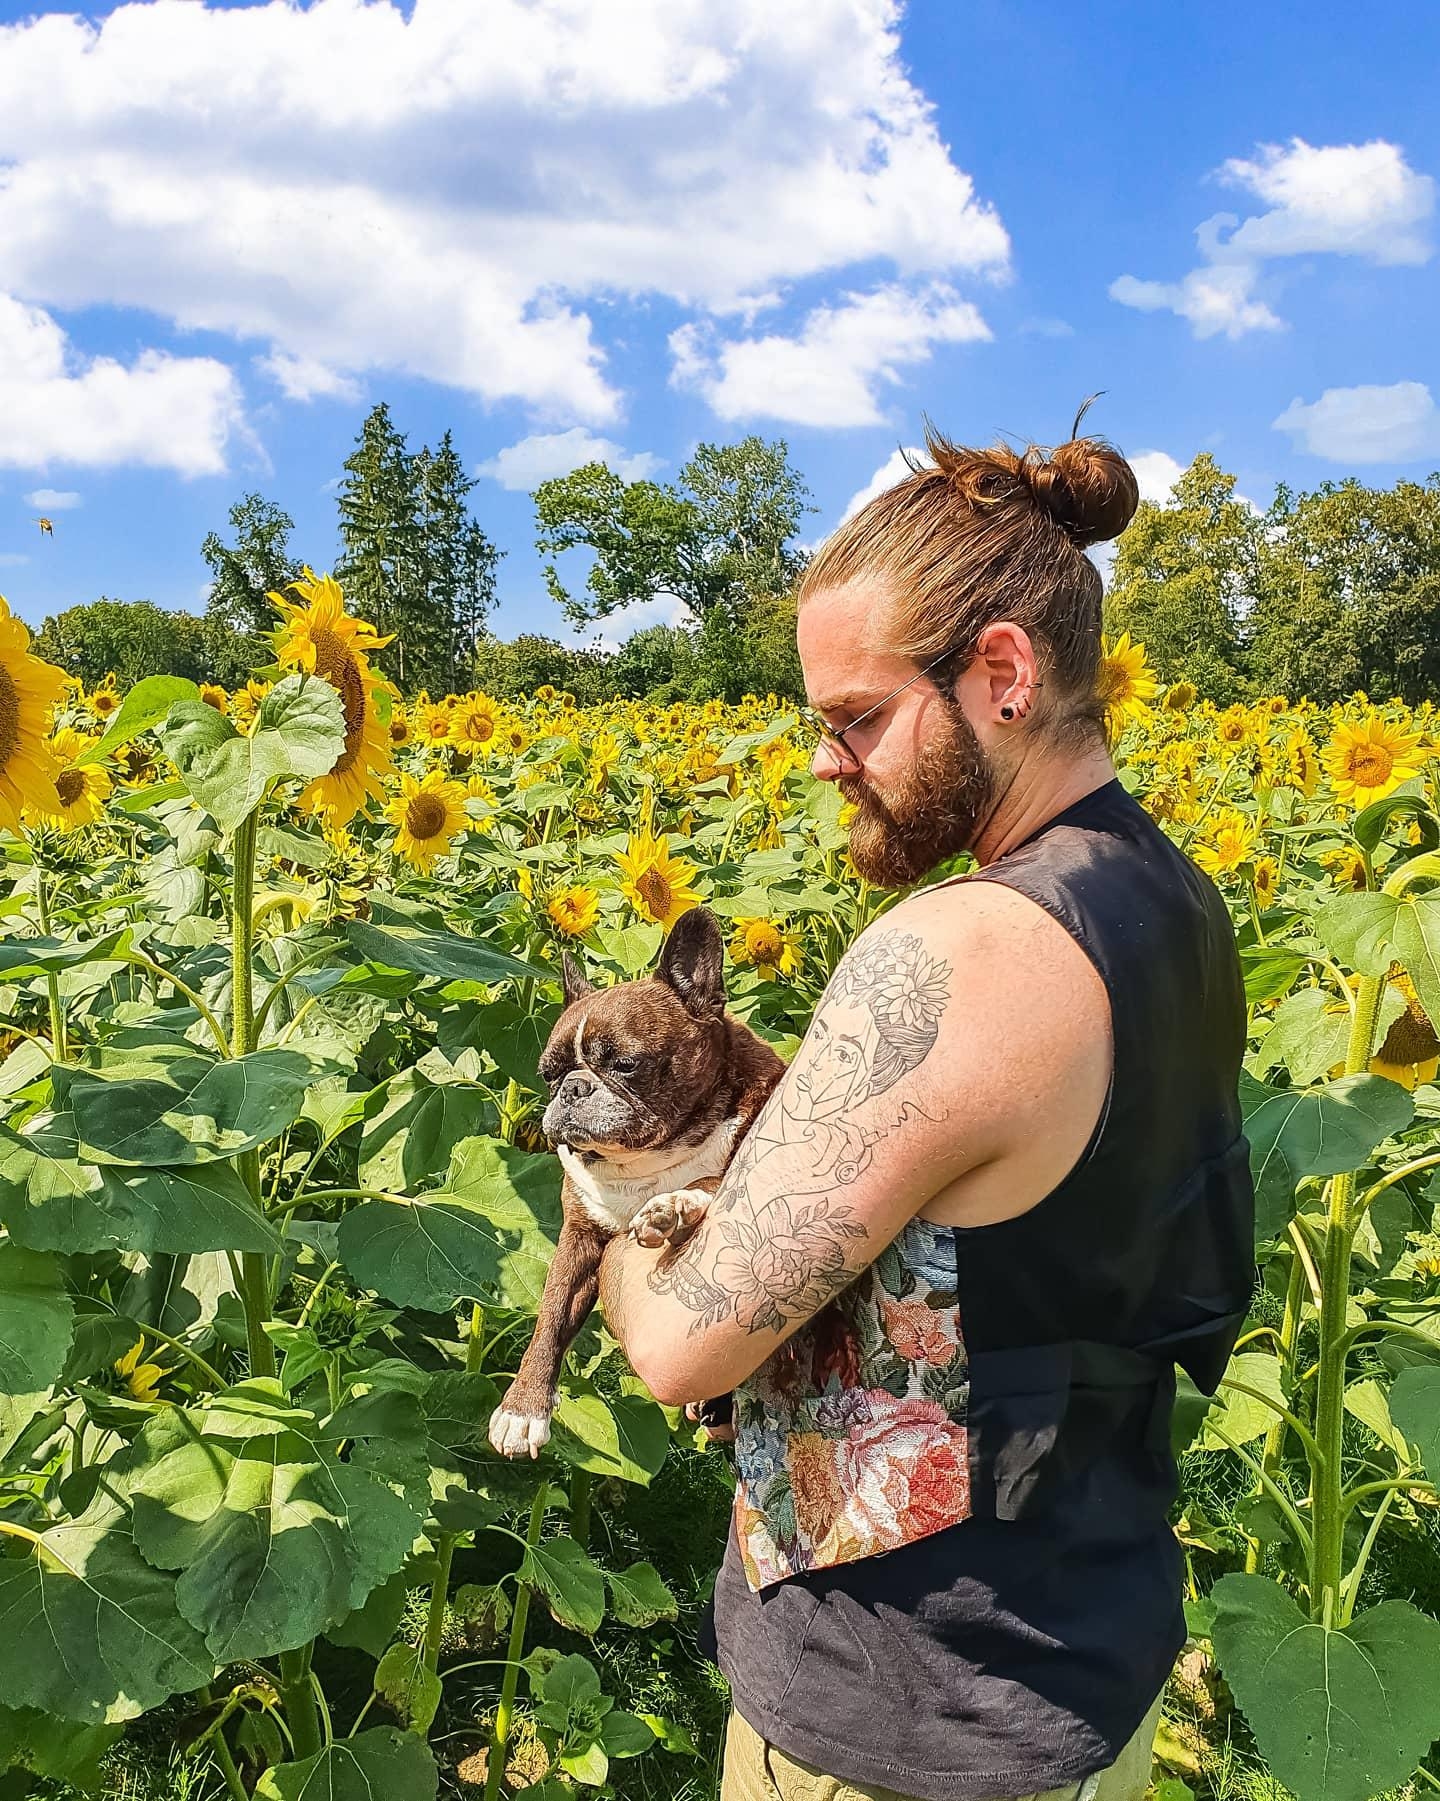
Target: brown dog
[(653, 1085)]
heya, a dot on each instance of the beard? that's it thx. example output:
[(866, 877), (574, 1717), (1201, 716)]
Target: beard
[(898, 834)]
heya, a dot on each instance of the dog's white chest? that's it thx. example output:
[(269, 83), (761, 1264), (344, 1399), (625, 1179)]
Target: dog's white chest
[(612, 1194)]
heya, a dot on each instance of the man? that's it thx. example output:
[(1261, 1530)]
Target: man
[(1000, 1192)]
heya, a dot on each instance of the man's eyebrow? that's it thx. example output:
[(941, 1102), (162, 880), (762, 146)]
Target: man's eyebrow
[(845, 701)]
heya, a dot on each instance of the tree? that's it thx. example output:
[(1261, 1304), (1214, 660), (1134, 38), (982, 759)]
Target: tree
[(239, 611), (134, 638), (530, 661), (719, 538), (1185, 577), (1349, 592), (415, 564)]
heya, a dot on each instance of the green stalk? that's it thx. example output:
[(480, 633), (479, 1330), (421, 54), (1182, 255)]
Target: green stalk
[(59, 1045), (1327, 1562), (254, 1270), (299, 1696), (439, 1594), (500, 1732), (581, 1483), (220, 1750)]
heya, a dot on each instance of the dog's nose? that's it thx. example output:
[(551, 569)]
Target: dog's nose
[(579, 1085)]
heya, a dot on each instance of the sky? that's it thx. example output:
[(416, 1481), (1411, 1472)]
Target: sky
[(568, 229)]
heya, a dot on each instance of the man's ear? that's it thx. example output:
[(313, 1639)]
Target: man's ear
[(574, 980), (692, 963)]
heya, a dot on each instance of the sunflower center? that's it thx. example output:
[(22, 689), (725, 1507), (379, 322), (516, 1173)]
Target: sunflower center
[(425, 817), (1113, 683), (69, 785), (764, 944), (1370, 765), (399, 731), (9, 717), (336, 663), (654, 890), (481, 729), (1411, 1039)]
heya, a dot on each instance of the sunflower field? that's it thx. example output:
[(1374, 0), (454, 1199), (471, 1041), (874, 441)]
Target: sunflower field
[(276, 967)]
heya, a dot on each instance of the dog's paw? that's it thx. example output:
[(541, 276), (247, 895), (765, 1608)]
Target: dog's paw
[(518, 1434), (669, 1218)]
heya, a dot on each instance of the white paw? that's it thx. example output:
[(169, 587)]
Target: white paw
[(518, 1434), (668, 1218)]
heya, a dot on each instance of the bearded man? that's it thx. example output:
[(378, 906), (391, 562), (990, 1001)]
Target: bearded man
[(1000, 1192)]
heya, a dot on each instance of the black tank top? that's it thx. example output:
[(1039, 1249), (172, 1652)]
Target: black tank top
[(1018, 1649)]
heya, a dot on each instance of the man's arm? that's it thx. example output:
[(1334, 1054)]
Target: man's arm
[(911, 1074)]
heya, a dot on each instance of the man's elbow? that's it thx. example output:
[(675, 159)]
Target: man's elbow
[(673, 1377)]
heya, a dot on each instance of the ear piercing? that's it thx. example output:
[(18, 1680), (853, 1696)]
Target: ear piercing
[(1021, 706)]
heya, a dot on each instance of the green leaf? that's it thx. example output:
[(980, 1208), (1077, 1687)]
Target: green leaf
[(382, 1764), (627, 1437), (1269, 972), (23, 958), (1417, 945), (37, 1320), (587, 1764), (569, 1689), (1370, 824), (571, 1582), (443, 956), (88, 1630), (59, 1749), (1365, 1401), (1415, 1409), (171, 1104), (1337, 1715), (633, 947), (411, 1137), (1357, 930), (275, 1538), (370, 1628), (146, 704), (639, 1597), (408, 1687), (1308, 1035), (1189, 1414), (1322, 1131), (488, 1235), (1240, 1415), (52, 1199), (626, 1734), (299, 732)]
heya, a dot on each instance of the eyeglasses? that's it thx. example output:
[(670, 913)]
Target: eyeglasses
[(833, 735)]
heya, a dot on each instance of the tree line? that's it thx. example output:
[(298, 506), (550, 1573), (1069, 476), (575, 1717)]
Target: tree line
[(1320, 594)]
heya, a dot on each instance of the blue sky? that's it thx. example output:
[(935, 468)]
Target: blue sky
[(225, 231)]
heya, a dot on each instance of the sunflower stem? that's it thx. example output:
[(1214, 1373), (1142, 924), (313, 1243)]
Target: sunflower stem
[(59, 1044), (254, 1268)]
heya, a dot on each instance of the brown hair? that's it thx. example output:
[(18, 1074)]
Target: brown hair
[(976, 536)]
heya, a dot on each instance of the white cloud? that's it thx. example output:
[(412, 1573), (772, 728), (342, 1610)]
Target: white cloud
[(1338, 200), (164, 411), (12, 559), (1157, 472), (894, 469), (831, 372), (303, 378), (611, 633), (1394, 424), (462, 200), (1046, 328), (535, 459), (52, 500)]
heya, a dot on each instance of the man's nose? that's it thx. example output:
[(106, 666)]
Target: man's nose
[(830, 762)]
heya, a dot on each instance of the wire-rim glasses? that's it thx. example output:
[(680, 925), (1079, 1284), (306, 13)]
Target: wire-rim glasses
[(835, 735)]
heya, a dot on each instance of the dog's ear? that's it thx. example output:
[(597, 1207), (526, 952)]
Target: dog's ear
[(574, 981), (692, 963)]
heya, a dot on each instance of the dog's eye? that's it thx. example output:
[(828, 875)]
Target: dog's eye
[(625, 1066)]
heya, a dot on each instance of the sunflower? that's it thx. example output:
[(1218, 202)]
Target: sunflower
[(82, 788), (1231, 840), (141, 1379), (1265, 879), (1347, 868), (768, 944), (28, 690), (1125, 683), (319, 637), (1180, 696), (1369, 761), (514, 736), (104, 699), (432, 720), (1301, 765), (426, 815), (474, 723), (1410, 1053), (656, 884), (215, 696), (573, 910), (400, 732), (1232, 727)]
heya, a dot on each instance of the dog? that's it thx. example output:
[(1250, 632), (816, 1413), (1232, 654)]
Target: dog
[(653, 1085)]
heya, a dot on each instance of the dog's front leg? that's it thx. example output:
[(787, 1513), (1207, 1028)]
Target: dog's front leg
[(521, 1423)]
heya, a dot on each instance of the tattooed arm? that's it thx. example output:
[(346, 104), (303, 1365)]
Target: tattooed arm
[(910, 1077)]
